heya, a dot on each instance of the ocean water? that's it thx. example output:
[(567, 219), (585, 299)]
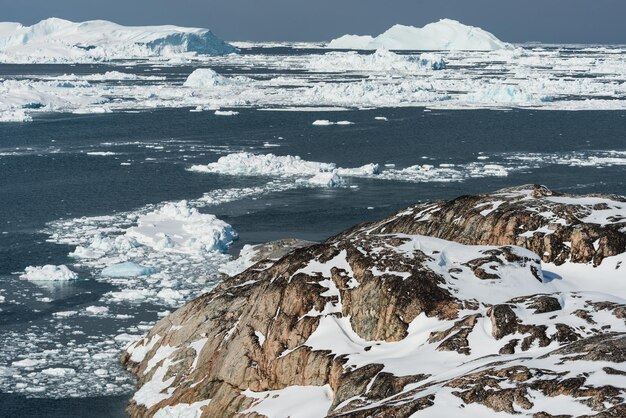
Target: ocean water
[(49, 172)]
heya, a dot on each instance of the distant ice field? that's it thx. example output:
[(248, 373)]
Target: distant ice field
[(119, 191), (304, 76)]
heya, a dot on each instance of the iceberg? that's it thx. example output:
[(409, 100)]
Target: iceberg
[(445, 35), (128, 269), (180, 228), (59, 40)]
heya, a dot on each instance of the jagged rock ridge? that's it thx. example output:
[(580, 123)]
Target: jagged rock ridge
[(383, 321)]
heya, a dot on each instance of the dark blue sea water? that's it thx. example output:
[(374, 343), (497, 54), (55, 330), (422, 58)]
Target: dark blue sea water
[(46, 175)]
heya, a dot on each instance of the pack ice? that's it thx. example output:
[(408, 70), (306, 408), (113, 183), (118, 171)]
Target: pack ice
[(445, 35)]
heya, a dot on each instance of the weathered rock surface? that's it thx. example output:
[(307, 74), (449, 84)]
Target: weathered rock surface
[(557, 226), (383, 321)]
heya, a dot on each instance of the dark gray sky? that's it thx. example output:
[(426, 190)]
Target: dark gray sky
[(584, 21)]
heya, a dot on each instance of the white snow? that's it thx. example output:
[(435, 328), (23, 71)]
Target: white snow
[(151, 392), (445, 34), (58, 40), (182, 410), (292, 402), (48, 273), (241, 263)]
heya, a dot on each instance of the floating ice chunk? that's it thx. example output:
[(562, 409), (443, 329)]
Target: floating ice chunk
[(101, 153), (226, 113), (15, 115), (128, 269), (83, 252), (58, 371), (329, 179), (325, 122), (203, 78), (170, 294), (322, 122), (180, 228), (48, 273), (366, 170), (26, 363), (310, 172), (446, 34), (65, 314), (249, 164), (502, 94), (97, 310), (130, 295)]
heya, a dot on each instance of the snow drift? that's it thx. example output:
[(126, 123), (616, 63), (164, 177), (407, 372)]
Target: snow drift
[(58, 40), (446, 34)]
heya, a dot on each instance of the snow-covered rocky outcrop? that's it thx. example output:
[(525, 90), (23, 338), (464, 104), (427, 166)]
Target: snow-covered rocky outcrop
[(382, 320), (58, 40), (447, 34)]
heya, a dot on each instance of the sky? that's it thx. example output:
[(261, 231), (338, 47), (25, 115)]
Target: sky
[(549, 21)]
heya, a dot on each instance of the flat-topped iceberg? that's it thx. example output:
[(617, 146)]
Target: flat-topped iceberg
[(445, 35), (58, 40)]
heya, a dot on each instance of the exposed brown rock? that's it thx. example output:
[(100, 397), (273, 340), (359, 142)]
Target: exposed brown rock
[(258, 325)]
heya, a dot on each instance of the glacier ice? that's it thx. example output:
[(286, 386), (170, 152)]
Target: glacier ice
[(446, 34)]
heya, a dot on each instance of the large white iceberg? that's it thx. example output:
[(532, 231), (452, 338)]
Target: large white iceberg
[(58, 40), (445, 35), (179, 228)]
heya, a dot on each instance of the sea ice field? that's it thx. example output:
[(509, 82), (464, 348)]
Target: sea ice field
[(128, 186)]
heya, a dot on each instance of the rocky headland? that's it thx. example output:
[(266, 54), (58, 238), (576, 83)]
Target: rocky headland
[(510, 302)]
